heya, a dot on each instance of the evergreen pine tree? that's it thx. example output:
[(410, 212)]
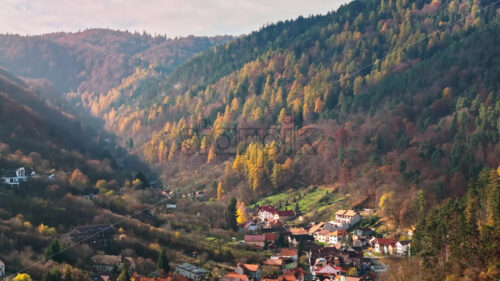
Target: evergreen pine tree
[(162, 263), (231, 222)]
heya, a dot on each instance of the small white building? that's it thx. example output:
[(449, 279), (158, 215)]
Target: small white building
[(403, 248), (2, 269), (321, 236), (339, 236), (14, 177), (266, 213), (385, 246), (347, 217)]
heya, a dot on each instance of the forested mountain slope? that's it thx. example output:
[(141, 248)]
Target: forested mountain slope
[(392, 105), (96, 59), (385, 98), (72, 163)]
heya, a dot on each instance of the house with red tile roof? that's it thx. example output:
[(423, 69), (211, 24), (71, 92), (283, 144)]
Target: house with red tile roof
[(385, 246), (257, 240), (251, 270), (233, 276), (298, 273), (266, 213), (270, 237)]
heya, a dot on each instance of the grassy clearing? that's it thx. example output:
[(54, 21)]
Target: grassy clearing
[(311, 200)]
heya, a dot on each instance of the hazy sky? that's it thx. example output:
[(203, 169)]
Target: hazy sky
[(171, 17)]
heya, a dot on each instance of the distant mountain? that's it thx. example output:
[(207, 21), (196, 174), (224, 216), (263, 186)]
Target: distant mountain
[(95, 59), (32, 124)]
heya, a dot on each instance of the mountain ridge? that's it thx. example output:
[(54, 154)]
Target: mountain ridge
[(94, 59)]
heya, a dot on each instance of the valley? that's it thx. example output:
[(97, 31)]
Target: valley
[(362, 144)]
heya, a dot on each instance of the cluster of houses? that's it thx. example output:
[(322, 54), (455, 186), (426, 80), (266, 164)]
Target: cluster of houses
[(335, 248), (283, 267)]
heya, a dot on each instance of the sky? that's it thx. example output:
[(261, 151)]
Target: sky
[(165, 17)]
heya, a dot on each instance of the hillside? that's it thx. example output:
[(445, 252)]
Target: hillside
[(81, 178), (352, 83), (386, 105), (96, 59)]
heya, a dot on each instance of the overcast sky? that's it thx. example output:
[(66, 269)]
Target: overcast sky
[(170, 17)]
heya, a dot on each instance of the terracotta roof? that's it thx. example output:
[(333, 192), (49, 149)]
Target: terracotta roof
[(288, 278), (251, 267), (385, 241), (278, 262), (270, 236), (298, 272), (288, 252), (298, 231), (255, 238), (242, 277), (316, 227)]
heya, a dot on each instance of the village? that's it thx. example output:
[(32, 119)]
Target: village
[(333, 250), (340, 249)]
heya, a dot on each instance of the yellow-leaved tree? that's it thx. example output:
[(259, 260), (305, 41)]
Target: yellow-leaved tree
[(220, 191), (241, 212), (22, 277), (211, 155)]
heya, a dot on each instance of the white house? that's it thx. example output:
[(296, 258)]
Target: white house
[(321, 236), (2, 269), (270, 213), (14, 177), (347, 217), (403, 248), (384, 246), (266, 213), (339, 236)]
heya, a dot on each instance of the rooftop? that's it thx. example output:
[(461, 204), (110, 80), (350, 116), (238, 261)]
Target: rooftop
[(288, 252), (255, 238), (191, 268), (251, 267)]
